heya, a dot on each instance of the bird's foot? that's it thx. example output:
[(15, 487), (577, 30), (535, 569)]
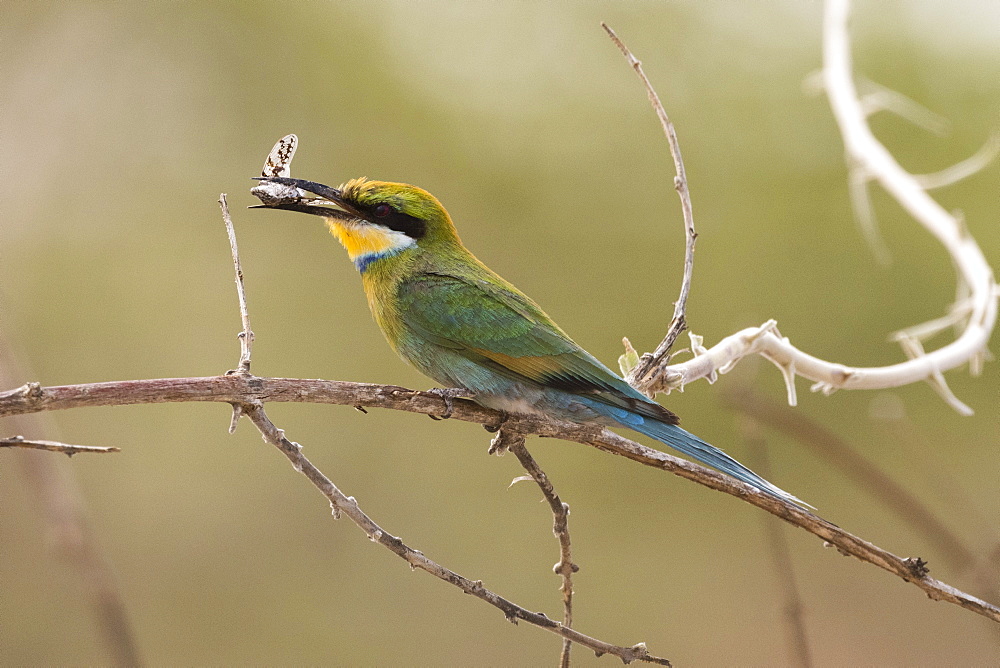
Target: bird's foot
[(495, 427), (448, 395)]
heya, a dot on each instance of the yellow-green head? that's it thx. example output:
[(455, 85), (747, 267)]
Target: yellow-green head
[(378, 219)]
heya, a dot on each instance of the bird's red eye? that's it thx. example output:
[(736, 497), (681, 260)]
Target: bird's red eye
[(382, 210)]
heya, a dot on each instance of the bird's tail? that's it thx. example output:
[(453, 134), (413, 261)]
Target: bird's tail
[(692, 446)]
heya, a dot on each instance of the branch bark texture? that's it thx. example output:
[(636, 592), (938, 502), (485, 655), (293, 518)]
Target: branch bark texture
[(252, 390)]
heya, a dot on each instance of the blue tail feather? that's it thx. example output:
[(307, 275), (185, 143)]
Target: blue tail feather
[(692, 446)]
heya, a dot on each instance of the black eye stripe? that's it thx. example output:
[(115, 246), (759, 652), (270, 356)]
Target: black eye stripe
[(387, 215), (408, 225)]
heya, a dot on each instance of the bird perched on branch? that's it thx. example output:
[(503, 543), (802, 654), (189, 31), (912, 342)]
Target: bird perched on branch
[(455, 320)]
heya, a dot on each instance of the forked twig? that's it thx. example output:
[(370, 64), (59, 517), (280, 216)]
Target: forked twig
[(347, 505), (639, 375)]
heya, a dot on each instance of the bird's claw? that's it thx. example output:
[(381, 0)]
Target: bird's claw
[(495, 427), (448, 395)]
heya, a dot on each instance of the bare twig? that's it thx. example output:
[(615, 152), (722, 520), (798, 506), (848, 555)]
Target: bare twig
[(560, 528), (32, 398), (52, 446), (781, 556), (346, 505), (246, 336), (639, 376)]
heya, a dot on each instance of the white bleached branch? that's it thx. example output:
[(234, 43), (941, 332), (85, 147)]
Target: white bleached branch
[(975, 310)]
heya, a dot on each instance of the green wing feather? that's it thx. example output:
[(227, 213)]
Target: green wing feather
[(500, 328)]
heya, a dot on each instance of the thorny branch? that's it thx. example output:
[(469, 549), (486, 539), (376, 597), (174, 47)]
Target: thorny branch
[(869, 161)]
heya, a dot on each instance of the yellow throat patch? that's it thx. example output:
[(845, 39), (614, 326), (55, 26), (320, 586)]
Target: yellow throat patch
[(360, 239)]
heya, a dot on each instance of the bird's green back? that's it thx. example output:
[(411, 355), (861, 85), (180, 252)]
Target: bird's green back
[(435, 300)]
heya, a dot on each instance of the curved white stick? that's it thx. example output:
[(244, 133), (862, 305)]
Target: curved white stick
[(869, 157)]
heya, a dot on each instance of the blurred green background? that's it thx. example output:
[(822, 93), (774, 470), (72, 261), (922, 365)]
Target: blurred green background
[(120, 123)]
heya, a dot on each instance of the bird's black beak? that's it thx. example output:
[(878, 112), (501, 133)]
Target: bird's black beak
[(276, 192)]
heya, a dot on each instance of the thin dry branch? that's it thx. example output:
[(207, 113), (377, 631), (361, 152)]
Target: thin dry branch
[(52, 446), (347, 505), (32, 398), (246, 336), (560, 528), (638, 376)]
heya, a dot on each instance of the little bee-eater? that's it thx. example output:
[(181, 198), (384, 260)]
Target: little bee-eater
[(450, 316)]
